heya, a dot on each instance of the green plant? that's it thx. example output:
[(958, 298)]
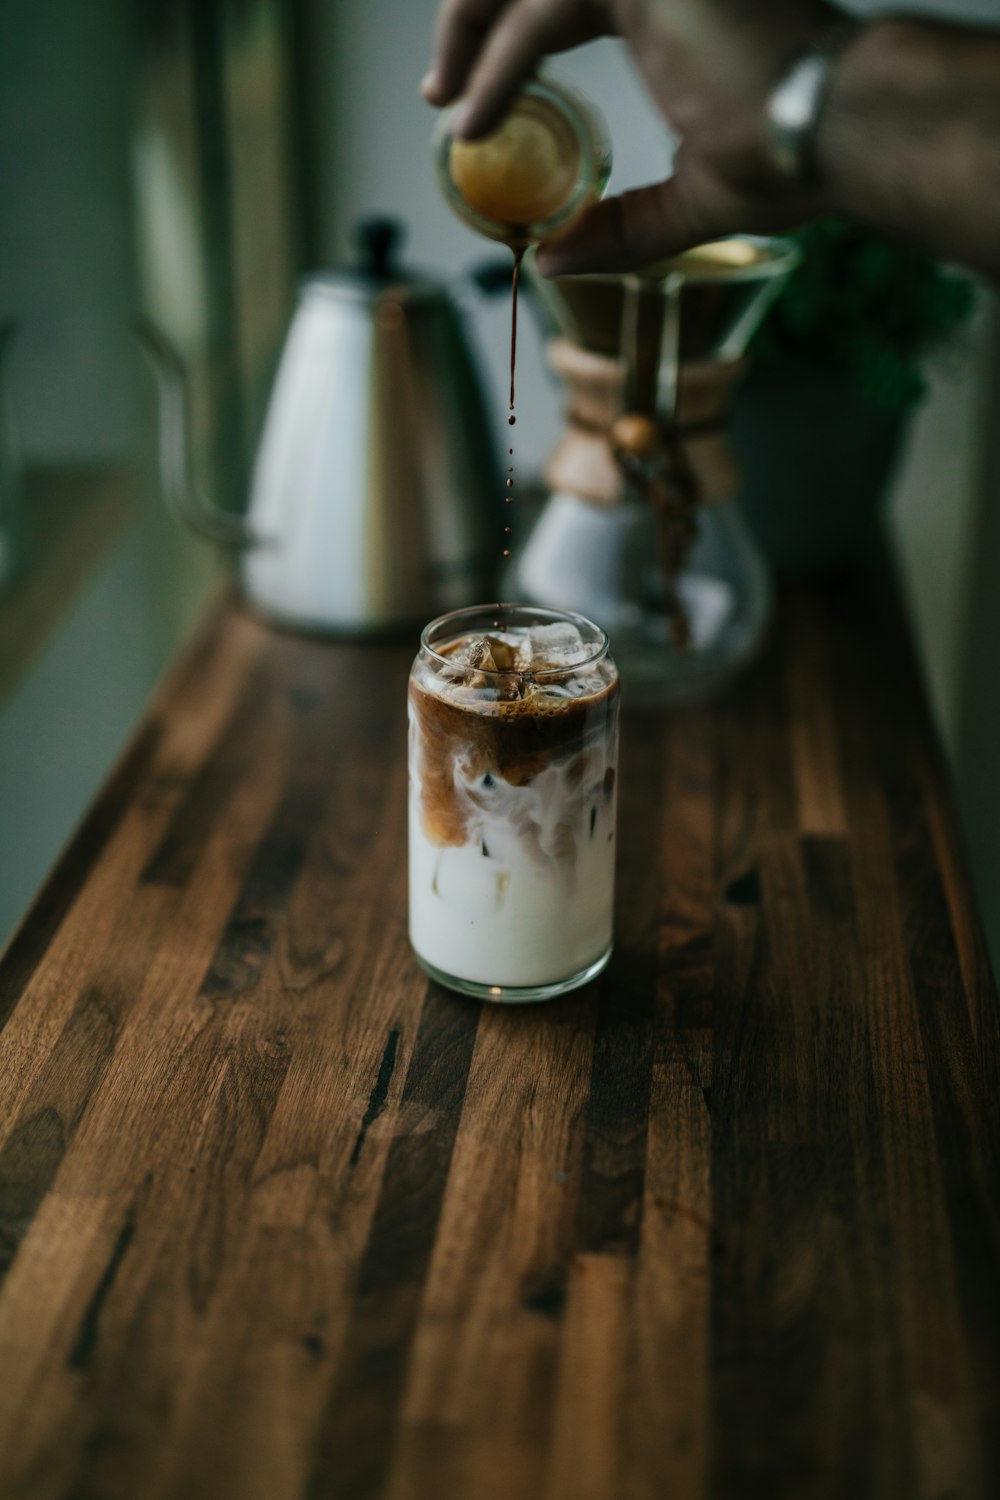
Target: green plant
[(866, 305)]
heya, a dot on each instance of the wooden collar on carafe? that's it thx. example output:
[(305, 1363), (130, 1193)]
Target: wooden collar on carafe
[(604, 448)]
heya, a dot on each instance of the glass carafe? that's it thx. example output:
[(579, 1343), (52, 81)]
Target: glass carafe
[(641, 531)]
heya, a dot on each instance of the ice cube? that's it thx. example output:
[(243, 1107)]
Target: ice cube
[(554, 646), (479, 655), (503, 654), (485, 669), (522, 654), (485, 653)]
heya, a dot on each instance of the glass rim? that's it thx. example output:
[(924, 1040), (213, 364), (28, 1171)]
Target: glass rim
[(541, 614), (595, 162)]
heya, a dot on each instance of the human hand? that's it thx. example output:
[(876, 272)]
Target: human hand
[(709, 65)]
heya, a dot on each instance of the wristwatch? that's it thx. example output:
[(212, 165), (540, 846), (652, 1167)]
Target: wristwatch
[(794, 106)]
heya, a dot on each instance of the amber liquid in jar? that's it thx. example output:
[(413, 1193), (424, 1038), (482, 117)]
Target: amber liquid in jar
[(545, 163)]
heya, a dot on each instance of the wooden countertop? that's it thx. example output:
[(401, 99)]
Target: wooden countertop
[(279, 1218)]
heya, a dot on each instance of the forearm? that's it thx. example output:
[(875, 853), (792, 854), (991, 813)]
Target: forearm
[(909, 140)]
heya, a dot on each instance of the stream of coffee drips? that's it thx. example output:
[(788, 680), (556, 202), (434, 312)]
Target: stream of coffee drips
[(511, 417)]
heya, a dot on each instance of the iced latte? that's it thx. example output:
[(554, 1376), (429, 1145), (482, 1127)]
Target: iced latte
[(513, 769)]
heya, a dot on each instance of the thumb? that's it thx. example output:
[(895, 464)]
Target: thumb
[(646, 224)]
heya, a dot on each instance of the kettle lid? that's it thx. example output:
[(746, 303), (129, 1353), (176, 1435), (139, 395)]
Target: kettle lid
[(377, 268)]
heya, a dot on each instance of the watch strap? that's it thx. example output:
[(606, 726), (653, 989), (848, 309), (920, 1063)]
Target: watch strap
[(795, 105)]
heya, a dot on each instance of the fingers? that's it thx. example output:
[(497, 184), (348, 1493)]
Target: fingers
[(523, 34), (461, 27), (641, 226), (487, 48)]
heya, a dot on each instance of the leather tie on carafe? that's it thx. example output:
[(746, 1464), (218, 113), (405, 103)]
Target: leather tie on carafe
[(607, 452)]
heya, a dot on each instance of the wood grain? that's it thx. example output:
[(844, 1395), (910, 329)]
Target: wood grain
[(278, 1218)]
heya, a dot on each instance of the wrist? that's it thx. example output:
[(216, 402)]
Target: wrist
[(887, 84)]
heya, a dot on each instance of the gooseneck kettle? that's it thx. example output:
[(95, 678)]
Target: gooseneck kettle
[(373, 496)]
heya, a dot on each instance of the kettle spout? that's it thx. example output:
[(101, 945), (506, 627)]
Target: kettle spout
[(180, 491)]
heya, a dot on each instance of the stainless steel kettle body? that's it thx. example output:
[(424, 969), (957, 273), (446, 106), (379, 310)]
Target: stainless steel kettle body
[(373, 498)]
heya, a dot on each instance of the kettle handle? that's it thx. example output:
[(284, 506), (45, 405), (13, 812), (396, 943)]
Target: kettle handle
[(182, 495)]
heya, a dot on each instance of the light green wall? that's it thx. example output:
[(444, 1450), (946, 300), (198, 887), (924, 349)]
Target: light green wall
[(66, 263), (934, 511), (66, 722), (78, 390), (945, 526), (977, 710)]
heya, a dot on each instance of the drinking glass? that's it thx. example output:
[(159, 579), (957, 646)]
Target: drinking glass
[(513, 759)]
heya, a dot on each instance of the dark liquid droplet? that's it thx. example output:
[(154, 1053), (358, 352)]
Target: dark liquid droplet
[(510, 484), (511, 419), (506, 552)]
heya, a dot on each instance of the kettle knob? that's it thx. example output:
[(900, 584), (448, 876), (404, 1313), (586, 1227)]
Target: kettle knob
[(379, 240)]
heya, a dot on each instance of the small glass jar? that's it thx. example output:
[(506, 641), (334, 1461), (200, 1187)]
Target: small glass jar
[(546, 162), (513, 759)]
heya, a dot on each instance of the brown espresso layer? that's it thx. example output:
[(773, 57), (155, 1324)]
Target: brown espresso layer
[(512, 740)]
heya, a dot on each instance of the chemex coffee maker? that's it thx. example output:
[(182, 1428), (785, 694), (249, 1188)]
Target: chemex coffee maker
[(640, 530)]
